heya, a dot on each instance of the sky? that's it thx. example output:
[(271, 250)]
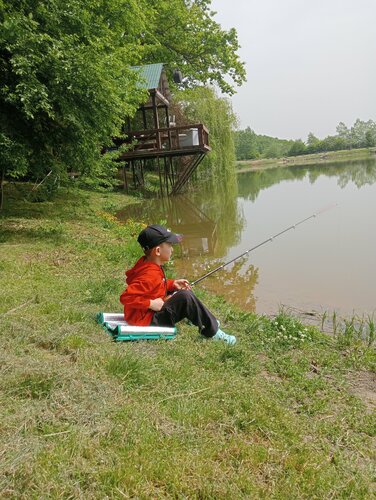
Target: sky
[(310, 64)]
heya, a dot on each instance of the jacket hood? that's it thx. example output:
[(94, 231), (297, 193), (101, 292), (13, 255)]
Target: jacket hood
[(140, 268)]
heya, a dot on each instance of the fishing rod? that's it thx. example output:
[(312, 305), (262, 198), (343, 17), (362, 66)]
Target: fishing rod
[(270, 239)]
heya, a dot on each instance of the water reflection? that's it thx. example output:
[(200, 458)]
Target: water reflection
[(327, 264), (236, 282), (360, 172), (209, 219)]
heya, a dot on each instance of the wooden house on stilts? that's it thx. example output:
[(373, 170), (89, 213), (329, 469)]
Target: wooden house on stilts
[(157, 142)]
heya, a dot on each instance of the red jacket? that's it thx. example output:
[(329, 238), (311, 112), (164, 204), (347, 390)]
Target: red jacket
[(146, 281)]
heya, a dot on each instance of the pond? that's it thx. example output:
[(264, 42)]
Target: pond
[(326, 264)]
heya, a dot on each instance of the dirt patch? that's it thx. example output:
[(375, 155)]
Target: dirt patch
[(363, 385)]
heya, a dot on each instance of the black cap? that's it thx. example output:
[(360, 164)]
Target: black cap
[(154, 235)]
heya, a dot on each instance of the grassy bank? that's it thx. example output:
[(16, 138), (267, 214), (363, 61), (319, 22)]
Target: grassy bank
[(286, 413), (312, 159)]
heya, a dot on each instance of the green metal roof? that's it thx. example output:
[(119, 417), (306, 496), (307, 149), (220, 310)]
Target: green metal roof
[(150, 74)]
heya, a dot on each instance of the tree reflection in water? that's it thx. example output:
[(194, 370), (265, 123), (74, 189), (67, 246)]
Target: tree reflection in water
[(236, 282), (360, 172), (211, 221)]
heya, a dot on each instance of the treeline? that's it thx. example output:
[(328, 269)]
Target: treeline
[(249, 145), (66, 83)]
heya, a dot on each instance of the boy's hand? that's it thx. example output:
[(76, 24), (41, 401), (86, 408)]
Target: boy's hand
[(156, 304), (182, 284)]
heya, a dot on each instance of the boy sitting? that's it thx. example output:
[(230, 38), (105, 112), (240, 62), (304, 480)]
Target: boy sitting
[(146, 300)]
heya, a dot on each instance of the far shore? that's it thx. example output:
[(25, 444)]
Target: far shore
[(305, 160)]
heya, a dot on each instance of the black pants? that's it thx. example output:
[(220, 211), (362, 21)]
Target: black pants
[(184, 304)]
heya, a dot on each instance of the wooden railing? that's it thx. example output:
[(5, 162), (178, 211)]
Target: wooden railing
[(167, 139)]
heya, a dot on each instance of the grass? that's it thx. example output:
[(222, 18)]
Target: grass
[(276, 416)]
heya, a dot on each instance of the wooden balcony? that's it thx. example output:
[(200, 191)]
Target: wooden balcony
[(165, 142)]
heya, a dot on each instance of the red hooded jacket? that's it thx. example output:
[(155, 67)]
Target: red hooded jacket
[(146, 281)]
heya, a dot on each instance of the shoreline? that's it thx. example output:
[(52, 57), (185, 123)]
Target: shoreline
[(305, 160)]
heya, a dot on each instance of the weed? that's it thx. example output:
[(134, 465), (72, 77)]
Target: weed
[(323, 319), (334, 321), (286, 332), (349, 330), (371, 330)]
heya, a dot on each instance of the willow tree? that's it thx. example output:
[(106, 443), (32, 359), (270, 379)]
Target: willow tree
[(202, 105), (216, 174)]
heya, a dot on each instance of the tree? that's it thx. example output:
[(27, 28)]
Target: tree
[(370, 138), (245, 144), (66, 86), (201, 104), (66, 80), (183, 33), (297, 148), (360, 131), (312, 143), (343, 131)]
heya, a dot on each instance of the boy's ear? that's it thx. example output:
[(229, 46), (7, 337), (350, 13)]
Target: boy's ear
[(157, 251)]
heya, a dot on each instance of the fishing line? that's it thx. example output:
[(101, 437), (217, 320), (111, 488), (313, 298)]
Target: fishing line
[(268, 240)]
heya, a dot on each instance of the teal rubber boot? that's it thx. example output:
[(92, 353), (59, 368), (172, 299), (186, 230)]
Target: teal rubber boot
[(220, 335)]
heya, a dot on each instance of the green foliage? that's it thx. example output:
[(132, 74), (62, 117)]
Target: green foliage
[(216, 173), (184, 34), (297, 148), (286, 331), (66, 83), (353, 329), (246, 144), (201, 104), (250, 146), (66, 80)]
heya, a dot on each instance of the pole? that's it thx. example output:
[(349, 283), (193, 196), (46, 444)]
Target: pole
[(325, 209)]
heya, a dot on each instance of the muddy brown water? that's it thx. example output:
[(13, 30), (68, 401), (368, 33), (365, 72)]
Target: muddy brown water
[(326, 264)]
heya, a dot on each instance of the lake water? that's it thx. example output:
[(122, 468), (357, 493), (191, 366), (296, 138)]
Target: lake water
[(328, 263)]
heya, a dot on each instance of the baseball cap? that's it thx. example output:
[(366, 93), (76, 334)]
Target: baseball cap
[(154, 235)]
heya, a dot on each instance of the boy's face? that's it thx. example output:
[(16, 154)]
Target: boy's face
[(164, 251)]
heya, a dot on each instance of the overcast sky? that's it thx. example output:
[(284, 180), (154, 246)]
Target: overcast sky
[(310, 64)]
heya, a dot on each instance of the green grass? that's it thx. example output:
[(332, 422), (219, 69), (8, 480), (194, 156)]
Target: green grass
[(277, 416)]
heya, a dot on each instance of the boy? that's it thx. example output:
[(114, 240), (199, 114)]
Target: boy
[(146, 300)]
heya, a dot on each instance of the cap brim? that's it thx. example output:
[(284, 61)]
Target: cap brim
[(174, 238)]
